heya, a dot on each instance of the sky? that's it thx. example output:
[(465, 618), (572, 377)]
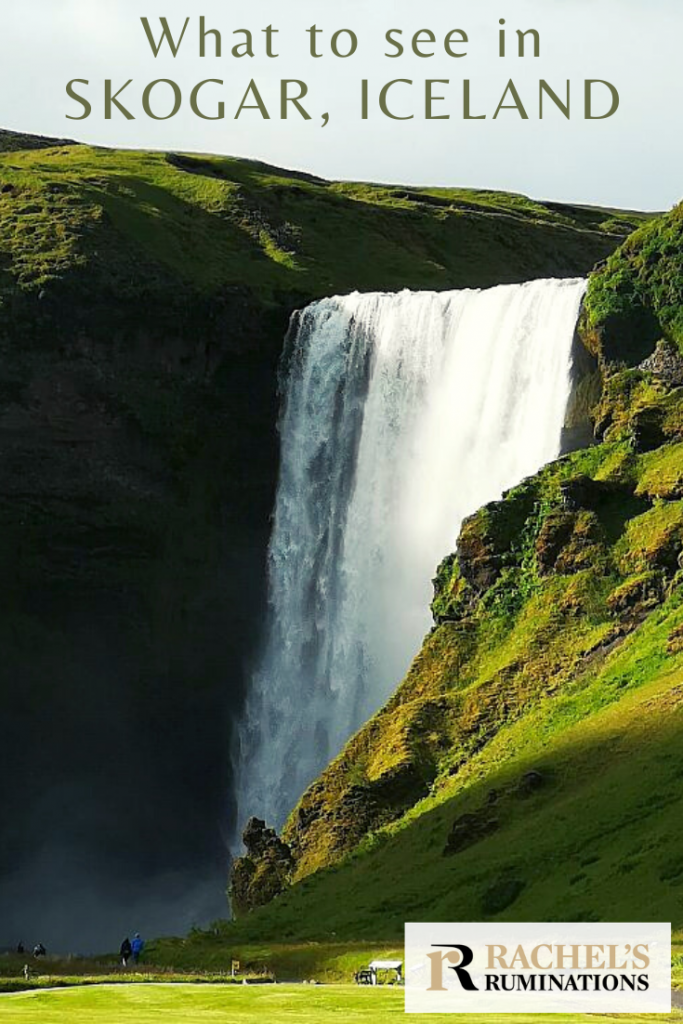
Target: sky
[(631, 160)]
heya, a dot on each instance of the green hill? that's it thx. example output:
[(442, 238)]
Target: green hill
[(78, 223), (144, 298), (528, 768)]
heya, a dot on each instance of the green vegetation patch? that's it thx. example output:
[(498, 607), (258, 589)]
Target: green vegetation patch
[(654, 538), (662, 472), (637, 298)]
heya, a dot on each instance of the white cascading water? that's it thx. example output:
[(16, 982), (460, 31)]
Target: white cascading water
[(402, 414)]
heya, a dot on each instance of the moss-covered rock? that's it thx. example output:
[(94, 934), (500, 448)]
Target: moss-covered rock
[(636, 299), (263, 872), (470, 829)]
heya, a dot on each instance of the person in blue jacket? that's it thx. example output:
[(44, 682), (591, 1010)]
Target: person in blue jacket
[(137, 946)]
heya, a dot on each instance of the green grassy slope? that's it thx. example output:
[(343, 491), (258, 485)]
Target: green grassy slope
[(528, 767), (599, 840)]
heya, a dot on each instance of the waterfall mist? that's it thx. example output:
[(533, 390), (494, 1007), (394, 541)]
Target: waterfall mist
[(402, 414)]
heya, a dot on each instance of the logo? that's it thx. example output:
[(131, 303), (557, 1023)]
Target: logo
[(460, 968), (538, 968)]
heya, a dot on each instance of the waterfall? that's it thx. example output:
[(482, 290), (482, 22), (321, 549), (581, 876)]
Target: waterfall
[(402, 414)]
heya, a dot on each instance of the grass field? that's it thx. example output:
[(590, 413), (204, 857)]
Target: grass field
[(185, 1004)]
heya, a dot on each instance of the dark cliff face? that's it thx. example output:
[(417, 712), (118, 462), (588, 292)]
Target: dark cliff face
[(136, 484), (143, 304)]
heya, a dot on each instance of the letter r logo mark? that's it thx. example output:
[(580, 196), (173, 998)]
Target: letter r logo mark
[(458, 961)]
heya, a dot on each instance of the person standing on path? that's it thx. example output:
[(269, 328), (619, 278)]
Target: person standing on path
[(137, 946)]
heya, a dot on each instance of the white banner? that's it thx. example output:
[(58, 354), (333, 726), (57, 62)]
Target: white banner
[(538, 968)]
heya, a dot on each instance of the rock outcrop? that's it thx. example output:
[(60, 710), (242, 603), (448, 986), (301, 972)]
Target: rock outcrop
[(263, 872)]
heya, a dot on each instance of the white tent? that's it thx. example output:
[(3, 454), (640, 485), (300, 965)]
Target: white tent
[(385, 965)]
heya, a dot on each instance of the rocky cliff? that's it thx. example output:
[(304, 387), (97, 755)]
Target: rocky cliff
[(527, 764), (143, 302)]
